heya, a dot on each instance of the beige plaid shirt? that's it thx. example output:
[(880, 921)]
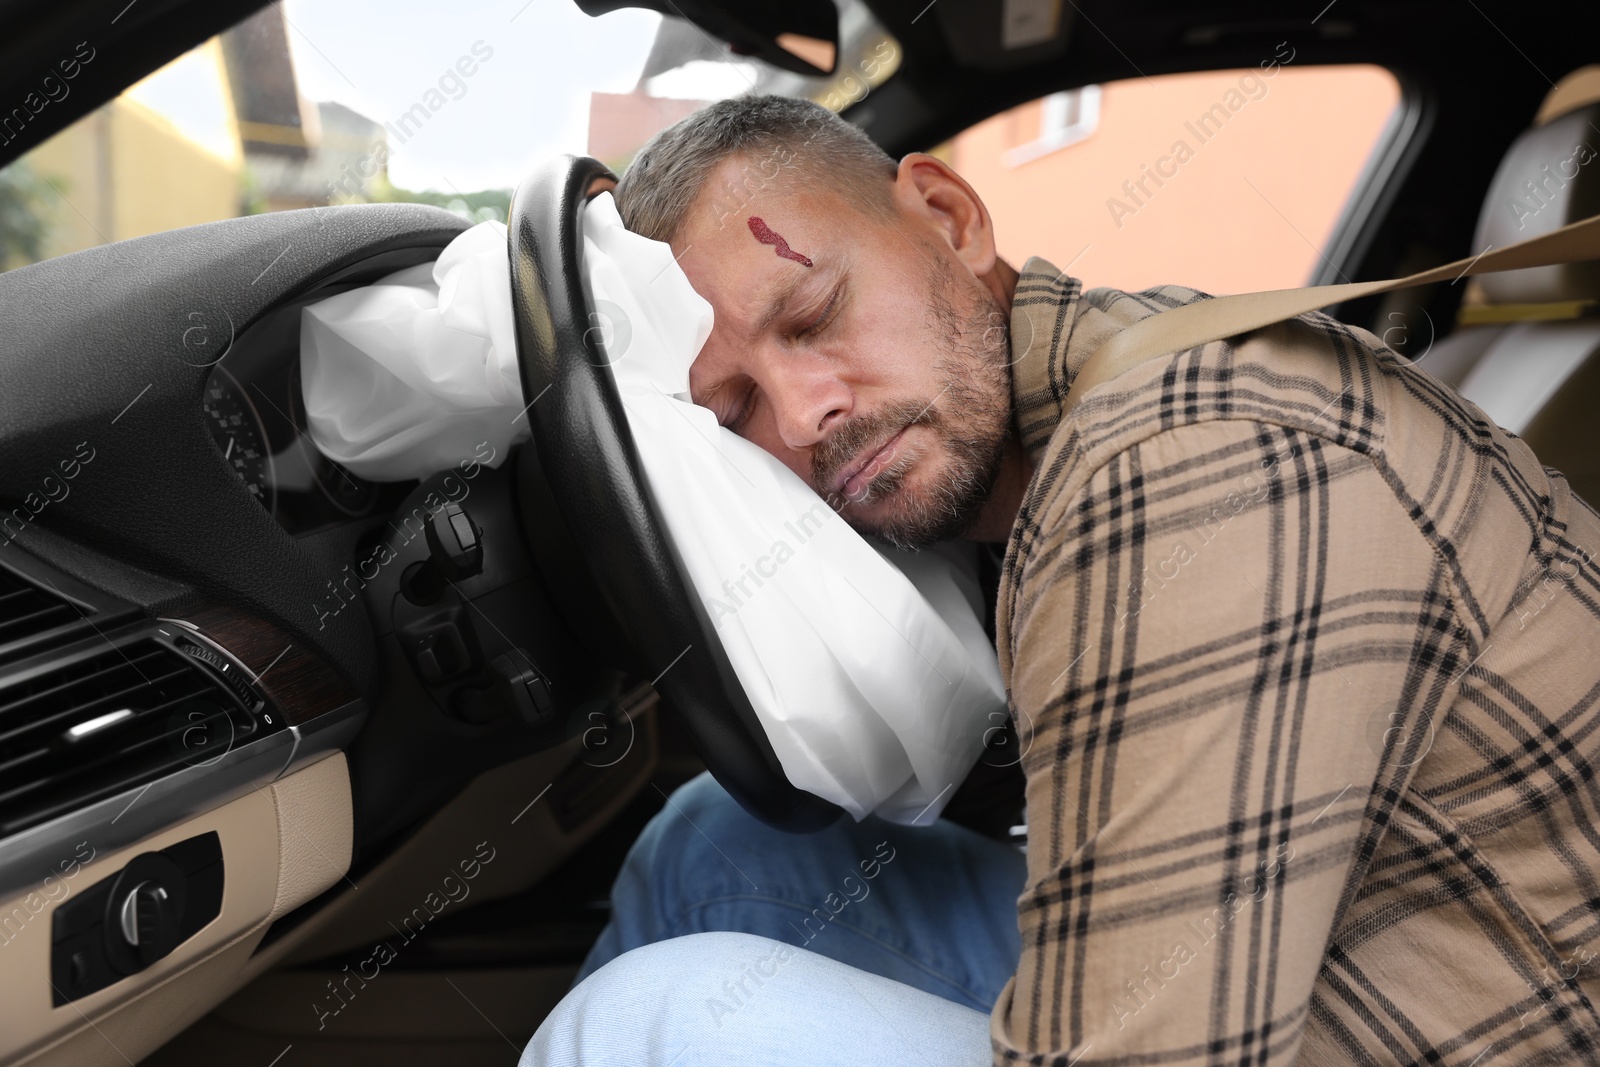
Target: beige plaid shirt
[(1305, 657)]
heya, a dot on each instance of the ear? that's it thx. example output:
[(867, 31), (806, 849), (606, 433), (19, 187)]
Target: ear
[(928, 190)]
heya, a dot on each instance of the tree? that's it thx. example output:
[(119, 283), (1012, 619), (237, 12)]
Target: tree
[(24, 215), (482, 206)]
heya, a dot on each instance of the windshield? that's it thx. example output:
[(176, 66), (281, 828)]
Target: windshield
[(307, 105)]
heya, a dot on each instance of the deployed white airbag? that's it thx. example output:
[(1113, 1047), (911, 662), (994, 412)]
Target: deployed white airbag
[(874, 680)]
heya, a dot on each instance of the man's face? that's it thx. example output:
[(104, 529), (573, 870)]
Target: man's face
[(878, 373)]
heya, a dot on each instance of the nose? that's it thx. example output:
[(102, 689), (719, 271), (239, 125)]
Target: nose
[(808, 398)]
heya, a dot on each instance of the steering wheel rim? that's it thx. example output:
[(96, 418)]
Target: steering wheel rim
[(592, 468)]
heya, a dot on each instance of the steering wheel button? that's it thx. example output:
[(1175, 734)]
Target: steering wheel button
[(428, 666), (466, 536), (539, 690)]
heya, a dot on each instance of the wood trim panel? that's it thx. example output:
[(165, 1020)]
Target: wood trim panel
[(297, 679)]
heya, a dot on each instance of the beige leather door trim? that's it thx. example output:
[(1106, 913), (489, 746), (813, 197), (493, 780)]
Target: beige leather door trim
[(281, 845)]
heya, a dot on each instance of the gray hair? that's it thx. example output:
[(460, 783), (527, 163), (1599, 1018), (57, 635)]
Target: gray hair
[(779, 137)]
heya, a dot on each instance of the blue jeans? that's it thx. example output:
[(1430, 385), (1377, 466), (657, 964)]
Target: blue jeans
[(737, 1000), (861, 933)]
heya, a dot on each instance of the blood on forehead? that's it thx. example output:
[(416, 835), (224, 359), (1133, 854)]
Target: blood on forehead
[(766, 236)]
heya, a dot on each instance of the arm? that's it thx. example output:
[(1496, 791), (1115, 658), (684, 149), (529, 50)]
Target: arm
[(1212, 646)]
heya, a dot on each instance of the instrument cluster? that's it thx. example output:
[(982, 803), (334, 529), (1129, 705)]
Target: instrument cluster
[(255, 412)]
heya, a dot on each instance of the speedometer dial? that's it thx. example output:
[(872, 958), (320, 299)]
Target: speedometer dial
[(236, 428)]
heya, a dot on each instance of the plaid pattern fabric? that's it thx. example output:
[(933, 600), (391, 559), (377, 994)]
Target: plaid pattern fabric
[(1305, 658)]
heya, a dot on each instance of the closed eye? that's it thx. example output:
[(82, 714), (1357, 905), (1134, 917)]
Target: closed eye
[(824, 318), (745, 408)]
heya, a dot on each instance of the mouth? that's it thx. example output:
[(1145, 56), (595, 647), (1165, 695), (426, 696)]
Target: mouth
[(853, 481)]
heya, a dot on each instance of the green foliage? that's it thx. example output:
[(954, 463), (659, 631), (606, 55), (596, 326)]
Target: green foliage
[(26, 203), (251, 200), (484, 205)]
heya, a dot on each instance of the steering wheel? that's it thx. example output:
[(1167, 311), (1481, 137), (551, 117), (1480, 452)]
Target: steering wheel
[(591, 467)]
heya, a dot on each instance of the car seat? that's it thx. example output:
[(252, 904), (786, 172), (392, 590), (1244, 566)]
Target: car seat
[(1528, 351)]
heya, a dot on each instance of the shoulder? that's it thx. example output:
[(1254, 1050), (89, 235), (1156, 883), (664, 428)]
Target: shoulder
[(1289, 372), (1217, 410), (1055, 326), (1313, 374)]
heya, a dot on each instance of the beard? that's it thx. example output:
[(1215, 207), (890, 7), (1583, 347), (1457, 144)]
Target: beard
[(970, 418)]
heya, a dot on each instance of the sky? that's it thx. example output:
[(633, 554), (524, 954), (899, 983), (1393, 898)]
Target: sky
[(527, 101)]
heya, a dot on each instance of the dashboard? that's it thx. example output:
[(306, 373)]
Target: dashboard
[(234, 692)]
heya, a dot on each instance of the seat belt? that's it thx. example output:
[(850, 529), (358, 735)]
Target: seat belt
[(1191, 325)]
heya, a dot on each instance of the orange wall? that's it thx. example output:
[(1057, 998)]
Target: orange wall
[(1249, 209)]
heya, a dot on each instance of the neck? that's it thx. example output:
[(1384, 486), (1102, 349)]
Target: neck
[(999, 511), (1002, 282)]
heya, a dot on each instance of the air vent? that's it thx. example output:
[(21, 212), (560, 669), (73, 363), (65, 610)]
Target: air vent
[(109, 719), (26, 610)]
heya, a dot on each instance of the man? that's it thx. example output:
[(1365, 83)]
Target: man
[(1306, 776)]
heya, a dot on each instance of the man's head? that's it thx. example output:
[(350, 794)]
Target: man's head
[(860, 331)]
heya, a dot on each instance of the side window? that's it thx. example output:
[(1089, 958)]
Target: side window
[(1227, 181), (308, 105)]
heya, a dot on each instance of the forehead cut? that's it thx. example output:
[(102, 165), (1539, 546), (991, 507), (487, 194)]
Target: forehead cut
[(768, 236)]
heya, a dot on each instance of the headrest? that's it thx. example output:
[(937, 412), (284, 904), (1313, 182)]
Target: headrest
[(1549, 177), (1575, 90)]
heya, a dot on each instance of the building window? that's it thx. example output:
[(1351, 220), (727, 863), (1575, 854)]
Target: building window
[(1064, 120)]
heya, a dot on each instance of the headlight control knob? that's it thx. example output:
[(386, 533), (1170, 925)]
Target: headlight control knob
[(143, 912)]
